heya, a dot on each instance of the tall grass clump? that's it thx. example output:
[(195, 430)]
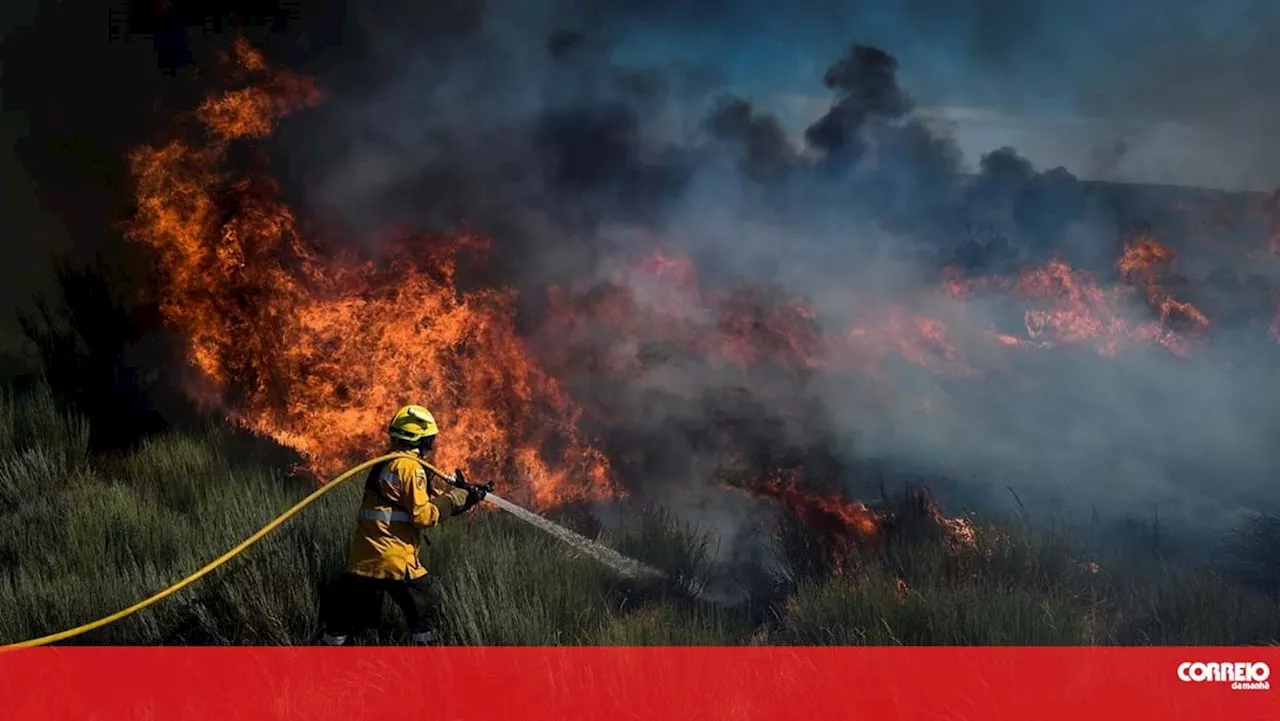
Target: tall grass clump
[(40, 445), (83, 537)]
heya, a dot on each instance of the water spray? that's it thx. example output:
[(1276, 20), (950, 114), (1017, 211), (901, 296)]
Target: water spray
[(628, 567)]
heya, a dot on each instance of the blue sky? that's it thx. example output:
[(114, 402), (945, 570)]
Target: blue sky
[(1187, 87)]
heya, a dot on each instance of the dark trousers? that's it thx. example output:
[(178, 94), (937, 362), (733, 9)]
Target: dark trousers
[(355, 603)]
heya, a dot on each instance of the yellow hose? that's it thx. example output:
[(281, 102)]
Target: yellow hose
[(209, 567)]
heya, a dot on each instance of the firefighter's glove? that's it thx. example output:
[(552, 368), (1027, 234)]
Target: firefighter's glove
[(475, 493)]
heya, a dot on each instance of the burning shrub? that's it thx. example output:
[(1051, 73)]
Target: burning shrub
[(824, 533), (313, 347)]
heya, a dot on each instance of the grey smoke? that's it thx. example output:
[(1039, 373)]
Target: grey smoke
[(530, 126)]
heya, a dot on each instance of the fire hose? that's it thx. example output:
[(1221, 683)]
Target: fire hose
[(613, 559)]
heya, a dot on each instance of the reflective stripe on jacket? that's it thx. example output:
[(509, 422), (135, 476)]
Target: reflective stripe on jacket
[(396, 506)]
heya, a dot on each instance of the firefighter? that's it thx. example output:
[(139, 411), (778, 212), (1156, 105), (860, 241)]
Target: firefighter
[(400, 499)]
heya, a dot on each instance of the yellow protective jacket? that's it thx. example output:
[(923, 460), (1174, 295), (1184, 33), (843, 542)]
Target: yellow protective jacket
[(400, 499)]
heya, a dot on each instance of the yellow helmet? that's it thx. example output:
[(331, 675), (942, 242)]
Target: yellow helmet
[(411, 424)]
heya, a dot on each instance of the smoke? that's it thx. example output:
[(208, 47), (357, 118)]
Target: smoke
[(585, 137), (530, 127)]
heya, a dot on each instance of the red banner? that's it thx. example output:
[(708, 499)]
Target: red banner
[(982, 684)]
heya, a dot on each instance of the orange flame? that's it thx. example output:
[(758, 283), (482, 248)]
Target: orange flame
[(848, 526), (900, 333), (659, 301), (1143, 264), (1066, 305), (900, 588), (316, 349)]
